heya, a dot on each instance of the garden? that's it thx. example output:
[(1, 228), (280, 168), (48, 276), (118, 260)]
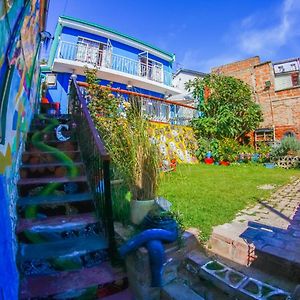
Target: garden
[(230, 169)]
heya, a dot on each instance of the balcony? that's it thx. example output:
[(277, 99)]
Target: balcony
[(117, 68)]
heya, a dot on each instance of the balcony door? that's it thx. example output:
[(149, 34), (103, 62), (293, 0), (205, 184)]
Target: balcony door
[(150, 68), (91, 51)]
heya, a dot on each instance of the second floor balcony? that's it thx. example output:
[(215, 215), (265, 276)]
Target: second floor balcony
[(105, 60)]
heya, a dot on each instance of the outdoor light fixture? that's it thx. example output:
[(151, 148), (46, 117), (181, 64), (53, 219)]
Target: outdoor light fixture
[(129, 85), (267, 84)]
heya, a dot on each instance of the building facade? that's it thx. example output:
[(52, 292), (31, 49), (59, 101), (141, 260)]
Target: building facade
[(21, 23), (120, 60), (276, 87)]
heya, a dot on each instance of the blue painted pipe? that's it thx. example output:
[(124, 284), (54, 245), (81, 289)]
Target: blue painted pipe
[(157, 258), (146, 236), (152, 238)]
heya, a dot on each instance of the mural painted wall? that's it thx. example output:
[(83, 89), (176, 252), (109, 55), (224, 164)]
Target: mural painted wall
[(20, 25), (175, 142)]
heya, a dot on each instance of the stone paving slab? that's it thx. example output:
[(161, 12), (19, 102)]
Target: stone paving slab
[(271, 227)]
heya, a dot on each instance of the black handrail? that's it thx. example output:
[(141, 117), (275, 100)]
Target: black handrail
[(96, 159)]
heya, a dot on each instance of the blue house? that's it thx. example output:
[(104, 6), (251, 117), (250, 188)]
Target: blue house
[(122, 60)]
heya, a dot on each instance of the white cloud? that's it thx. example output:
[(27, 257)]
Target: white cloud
[(267, 40), (263, 34)]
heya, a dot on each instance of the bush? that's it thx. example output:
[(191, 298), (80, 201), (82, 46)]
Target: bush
[(287, 146)]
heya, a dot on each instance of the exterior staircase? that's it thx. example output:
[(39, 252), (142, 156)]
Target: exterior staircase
[(63, 248)]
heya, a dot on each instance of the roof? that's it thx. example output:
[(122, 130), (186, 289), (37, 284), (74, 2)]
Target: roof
[(191, 72), (122, 35)]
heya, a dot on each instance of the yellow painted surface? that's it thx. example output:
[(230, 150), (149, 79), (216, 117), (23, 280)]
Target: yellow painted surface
[(175, 142)]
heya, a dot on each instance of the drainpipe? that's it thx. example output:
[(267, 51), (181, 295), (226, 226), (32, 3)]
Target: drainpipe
[(152, 239)]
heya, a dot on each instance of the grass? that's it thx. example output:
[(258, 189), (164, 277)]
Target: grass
[(207, 195)]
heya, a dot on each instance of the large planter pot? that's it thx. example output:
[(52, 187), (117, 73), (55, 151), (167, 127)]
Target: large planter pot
[(139, 209), (166, 224), (209, 160), (224, 163)]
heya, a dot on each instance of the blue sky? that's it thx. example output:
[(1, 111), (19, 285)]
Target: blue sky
[(202, 33)]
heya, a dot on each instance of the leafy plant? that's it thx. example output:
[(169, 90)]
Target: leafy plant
[(228, 110), (287, 146), (125, 133)]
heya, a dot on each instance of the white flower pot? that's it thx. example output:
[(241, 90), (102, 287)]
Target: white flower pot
[(139, 209)]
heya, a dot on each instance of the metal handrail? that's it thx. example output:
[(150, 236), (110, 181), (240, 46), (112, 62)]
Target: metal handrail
[(97, 161)]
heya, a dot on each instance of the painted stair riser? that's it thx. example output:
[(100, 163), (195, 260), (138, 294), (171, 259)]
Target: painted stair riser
[(70, 262), (56, 233), (51, 170), (52, 135), (43, 211), (90, 283), (59, 188), (40, 157), (63, 146)]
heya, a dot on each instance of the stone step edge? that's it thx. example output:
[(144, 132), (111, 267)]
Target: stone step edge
[(179, 291), (50, 285), (196, 261)]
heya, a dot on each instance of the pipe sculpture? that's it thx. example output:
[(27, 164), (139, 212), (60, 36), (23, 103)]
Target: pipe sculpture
[(152, 239)]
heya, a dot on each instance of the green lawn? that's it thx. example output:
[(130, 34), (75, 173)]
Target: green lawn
[(207, 195)]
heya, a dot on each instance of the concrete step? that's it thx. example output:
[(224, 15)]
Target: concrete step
[(270, 249), (57, 228), (177, 290), (52, 146), (231, 281), (34, 186), (43, 286), (40, 157), (51, 135), (54, 199), (56, 222), (123, 295), (43, 251), (51, 170)]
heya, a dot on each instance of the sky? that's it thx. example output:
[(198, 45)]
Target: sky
[(202, 33)]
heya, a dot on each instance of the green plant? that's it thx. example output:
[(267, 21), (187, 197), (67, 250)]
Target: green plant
[(125, 133), (287, 146), (228, 111)]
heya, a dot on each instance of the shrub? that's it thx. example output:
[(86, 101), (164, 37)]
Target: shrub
[(287, 146)]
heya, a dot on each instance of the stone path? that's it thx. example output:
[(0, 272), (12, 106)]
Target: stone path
[(277, 211), (266, 235)]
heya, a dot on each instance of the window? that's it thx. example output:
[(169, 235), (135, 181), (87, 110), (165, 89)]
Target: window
[(90, 51), (51, 80), (287, 74), (150, 68)]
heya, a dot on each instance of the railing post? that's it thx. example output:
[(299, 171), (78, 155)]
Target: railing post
[(109, 209)]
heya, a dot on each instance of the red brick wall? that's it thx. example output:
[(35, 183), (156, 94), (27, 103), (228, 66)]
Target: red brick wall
[(282, 108)]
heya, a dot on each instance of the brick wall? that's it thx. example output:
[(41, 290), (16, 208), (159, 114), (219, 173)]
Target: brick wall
[(280, 108)]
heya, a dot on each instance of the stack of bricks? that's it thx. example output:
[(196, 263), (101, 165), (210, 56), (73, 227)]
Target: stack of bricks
[(281, 109)]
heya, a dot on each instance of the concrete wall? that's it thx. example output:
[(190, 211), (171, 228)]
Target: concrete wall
[(180, 79), (280, 108), (20, 24)]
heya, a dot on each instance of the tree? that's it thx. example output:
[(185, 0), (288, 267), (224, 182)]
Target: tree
[(227, 109)]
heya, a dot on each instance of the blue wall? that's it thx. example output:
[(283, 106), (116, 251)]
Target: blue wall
[(71, 35), (60, 92), (8, 270)]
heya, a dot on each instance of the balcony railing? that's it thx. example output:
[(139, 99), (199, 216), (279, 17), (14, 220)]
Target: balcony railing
[(105, 58), (158, 109)]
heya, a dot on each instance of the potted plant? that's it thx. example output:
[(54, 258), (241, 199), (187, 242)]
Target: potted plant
[(125, 133)]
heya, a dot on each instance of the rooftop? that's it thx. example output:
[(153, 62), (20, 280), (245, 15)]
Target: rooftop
[(170, 55)]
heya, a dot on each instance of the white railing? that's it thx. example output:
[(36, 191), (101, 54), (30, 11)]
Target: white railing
[(105, 58), (167, 112)]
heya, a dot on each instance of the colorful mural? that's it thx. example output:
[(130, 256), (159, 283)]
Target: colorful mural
[(20, 52), (19, 86), (175, 142)]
